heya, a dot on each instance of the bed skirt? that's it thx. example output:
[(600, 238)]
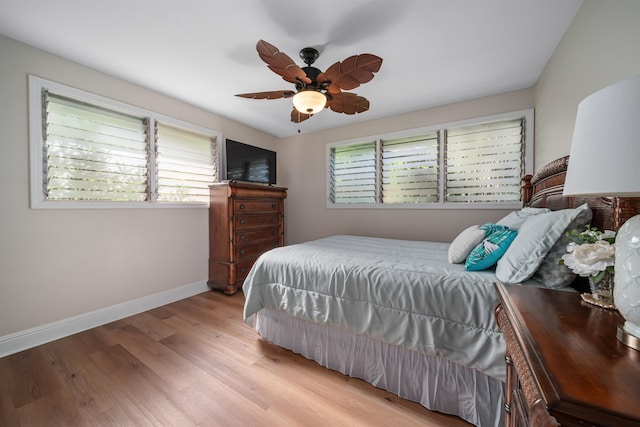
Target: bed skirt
[(434, 382)]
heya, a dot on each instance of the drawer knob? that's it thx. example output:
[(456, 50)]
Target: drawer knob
[(241, 205), (242, 251), (273, 219), (242, 221), (273, 206), (244, 269), (273, 232), (242, 237)]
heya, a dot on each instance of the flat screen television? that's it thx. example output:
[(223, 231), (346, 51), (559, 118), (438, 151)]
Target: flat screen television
[(250, 164)]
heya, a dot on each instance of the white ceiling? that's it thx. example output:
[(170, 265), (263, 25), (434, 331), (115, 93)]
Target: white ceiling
[(435, 52)]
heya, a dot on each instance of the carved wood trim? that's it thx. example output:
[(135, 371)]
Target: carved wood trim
[(555, 167), (625, 208), (544, 190), (538, 414)]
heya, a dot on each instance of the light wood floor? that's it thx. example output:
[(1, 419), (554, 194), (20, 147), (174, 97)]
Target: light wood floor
[(190, 363)]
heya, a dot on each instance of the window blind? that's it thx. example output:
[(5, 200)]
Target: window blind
[(353, 173), (185, 164), (93, 153), (485, 162), (471, 164), (409, 169)]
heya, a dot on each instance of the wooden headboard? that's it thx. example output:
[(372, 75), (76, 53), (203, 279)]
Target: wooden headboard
[(544, 190)]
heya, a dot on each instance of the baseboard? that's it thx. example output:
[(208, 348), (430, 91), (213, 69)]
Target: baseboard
[(13, 343)]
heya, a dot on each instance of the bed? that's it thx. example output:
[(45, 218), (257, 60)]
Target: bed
[(399, 315)]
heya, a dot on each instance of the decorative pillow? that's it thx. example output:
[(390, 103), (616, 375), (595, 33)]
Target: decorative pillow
[(551, 273), (464, 243), (514, 220), (487, 253), (535, 238)]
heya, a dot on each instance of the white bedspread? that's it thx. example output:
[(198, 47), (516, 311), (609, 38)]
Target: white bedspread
[(397, 291)]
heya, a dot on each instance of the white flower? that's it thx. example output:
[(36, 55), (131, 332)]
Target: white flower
[(589, 259)]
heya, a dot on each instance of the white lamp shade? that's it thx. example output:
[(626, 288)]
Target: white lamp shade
[(309, 101), (605, 151)]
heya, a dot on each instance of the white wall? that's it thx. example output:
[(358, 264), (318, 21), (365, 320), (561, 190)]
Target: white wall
[(601, 47), (55, 264)]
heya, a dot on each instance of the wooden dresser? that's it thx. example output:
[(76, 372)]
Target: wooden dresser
[(245, 220), (564, 364)]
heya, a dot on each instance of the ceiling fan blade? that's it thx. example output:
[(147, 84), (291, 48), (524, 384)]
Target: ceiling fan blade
[(297, 116), (349, 103), (333, 89), (280, 63), (276, 94), (353, 71), (322, 79)]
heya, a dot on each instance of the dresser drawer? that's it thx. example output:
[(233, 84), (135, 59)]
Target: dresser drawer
[(250, 221), (243, 267), (252, 235), (256, 205), (254, 249)]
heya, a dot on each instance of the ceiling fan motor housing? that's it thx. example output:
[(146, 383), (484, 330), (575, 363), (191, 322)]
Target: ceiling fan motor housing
[(309, 55), (312, 73)]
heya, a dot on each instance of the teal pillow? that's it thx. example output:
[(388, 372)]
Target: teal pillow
[(491, 249), (490, 228)]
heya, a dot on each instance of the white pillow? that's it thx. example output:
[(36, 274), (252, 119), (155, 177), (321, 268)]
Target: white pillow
[(514, 220), (464, 244), (535, 238)]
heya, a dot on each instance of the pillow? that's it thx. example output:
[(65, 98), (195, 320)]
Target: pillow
[(551, 273), (514, 220), (535, 238), (464, 243), (487, 253)]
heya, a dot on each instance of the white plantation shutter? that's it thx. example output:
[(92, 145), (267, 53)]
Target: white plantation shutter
[(409, 169), (476, 164), (485, 162), (185, 164), (88, 151), (353, 173), (93, 153)]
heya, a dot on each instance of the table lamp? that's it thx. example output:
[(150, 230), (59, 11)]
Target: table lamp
[(605, 161)]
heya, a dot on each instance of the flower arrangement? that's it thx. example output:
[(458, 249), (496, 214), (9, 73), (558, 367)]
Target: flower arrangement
[(591, 253)]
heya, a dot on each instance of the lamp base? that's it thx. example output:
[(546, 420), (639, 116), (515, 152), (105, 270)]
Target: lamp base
[(626, 289), (627, 339)]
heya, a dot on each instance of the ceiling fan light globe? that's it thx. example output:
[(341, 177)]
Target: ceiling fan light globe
[(309, 101)]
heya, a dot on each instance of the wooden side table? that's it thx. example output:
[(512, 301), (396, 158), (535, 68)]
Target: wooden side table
[(564, 364)]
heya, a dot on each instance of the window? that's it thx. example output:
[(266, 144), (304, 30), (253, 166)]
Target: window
[(88, 151), (484, 162), (409, 169), (353, 173), (185, 164), (477, 163)]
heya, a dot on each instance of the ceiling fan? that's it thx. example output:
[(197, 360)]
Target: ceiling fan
[(316, 90)]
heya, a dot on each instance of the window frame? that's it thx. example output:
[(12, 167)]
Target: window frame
[(36, 141), (527, 114)]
